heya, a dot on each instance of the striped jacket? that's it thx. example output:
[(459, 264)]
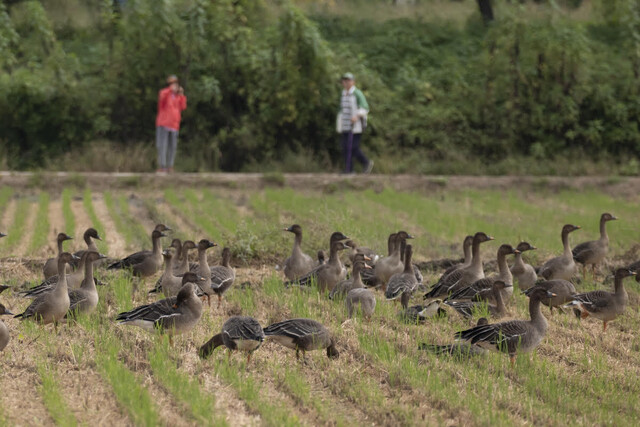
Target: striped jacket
[(352, 103)]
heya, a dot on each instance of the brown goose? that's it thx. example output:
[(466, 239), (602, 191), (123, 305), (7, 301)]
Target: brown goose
[(85, 298), (420, 313), (326, 276), (4, 331), (524, 273), (299, 263), (602, 305), (144, 263), (242, 333), (51, 307), (322, 257), (635, 267), (51, 265), (354, 282), (404, 283), (466, 250), (74, 280), (222, 276), (504, 275), (497, 310), (513, 336), (362, 297), (369, 276), (595, 251), (361, 250), (464, 276), (170, 261), (562, 289), (390, 265), (184, 264), (203, 267), (88, 236), (302, 334), (459, 349), (563, 266)]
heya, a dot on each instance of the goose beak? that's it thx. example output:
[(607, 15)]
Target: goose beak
[(367, 266), (551, 294), (366, 258), (175, 306), (515, 251), (533, 248), (633, 273), (98, 237), (75, 257), (491, 238), (101, 256), (69, 238), (162, 234)]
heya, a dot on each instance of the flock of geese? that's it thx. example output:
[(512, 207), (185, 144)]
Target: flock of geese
[(69, 288)]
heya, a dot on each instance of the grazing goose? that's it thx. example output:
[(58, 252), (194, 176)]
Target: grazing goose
[(242, 333), (51, 307), (390, 265), (361, 250), (420, 313), (563, 266), (466, 308), (51, 265), (562, 289), (504, 275), (369, 276), (203, 267), (4, 331), (326, 276), (595, 251), (144, 263), (174, 315), (363, 297), (222, 276), (85, 299), (459, 349), (74, 280), (603, 305), (524, 273), (404, 283), (354, 282), (303, 334), (170, 261), (299, 263), (88, 236), (466, 249), (513, 336), (184, 265), (464, 276)]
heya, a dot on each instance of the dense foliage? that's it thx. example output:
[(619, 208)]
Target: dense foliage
[(261, 78)]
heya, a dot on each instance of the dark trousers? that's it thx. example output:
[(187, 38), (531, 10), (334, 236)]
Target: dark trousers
[(355, 151)]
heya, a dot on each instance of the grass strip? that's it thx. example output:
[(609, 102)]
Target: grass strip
[(53, 398), (41, 225), (182, 387), (5, 196), (67, 213), (87, 202), (137, 230), (18, 226), (126, 225)]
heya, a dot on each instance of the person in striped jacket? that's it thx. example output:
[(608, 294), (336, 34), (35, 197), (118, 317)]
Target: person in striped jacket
[(350, 122)]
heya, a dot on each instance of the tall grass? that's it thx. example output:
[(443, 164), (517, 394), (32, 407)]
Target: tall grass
[(41, 225)]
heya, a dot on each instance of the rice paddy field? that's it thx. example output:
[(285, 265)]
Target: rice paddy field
[(96, 372)]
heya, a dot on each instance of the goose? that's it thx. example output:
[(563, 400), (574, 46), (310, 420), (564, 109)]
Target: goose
[(404, 283), (299, 263), (326, 276), (563, 266), (369, 276), (524, 273), (563, 290), (5, 337), (144, 263), (466, 308), (174, 315), (361, 250), (51, 307), (362, 297), (466, 250), (170, 261), (390, 265), (343, 288), (513, 336), (595, 251), (203, 267), (222, 276), (504, 275), (88, 236), (74, 280), (459, 349), (464, 276), (420, 313), (85, 299), (322, 257), (51, 265), (602, 305), (242, 333), (303, 335), (635, 267), (184, 264)]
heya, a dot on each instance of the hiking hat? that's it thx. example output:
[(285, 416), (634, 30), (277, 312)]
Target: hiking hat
[(348, 76)]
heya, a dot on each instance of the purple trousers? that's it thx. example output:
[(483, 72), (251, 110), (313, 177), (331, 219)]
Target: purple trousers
[(355, 152)]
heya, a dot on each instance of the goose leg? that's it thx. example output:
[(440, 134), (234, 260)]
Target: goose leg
[(248, 358), (604, 326), (219, 300), (512, 358)]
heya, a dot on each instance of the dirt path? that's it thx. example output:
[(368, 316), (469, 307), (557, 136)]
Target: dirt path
[(115, 242), (56, 225), (82, 223), (22, 248)]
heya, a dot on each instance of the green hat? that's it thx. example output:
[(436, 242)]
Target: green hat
[(348, 76)]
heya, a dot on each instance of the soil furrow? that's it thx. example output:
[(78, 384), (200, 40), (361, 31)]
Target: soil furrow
[(115, 242)]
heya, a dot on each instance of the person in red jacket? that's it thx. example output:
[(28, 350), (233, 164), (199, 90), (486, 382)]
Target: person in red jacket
[(171, 102)]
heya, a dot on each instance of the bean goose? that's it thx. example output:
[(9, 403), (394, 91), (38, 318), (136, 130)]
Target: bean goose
[(174, 315), (299, 263), (51, 265), (524, 273), (363, 298), (170, 261), (326, 276), (390, 265), (464, 276), (459, 349), (354, 282), (497, 310), (420, 313), (322, 257), (222, 276), (513, 336), (635, 267), (595, 251), (4, 331), (602, 305), (144, 263), (88, 236), (302, 334), (242, 333), (203, 267), (466, 250), (369, 276), (51, 307), (563, 266), (562, 289), (404, 283), (504, 275), (85, 298), (361, 250), (74, 280), (184, 264)]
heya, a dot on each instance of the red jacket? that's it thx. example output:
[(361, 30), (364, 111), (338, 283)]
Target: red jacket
[(170, 105)]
